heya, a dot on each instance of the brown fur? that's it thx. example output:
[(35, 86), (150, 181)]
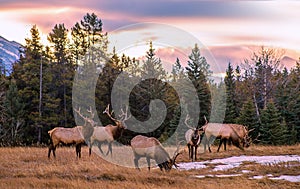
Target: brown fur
[(224, 132), (151, 148), (66, 136)]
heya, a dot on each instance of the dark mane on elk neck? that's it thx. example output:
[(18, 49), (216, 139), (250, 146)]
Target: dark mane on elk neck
[(110, 132)]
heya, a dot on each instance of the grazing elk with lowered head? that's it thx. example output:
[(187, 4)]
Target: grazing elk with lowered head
[(193, 138), (224, 132), (151, 148), (110, 132)]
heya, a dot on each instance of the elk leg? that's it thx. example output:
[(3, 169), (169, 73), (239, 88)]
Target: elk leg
[(109, 149), (207, 141), (225, 140), (99, 147), (78, 150), (160, 167), (148, 162), (49, 152), (90, 144), (136, 162), (90, 150), (195, 152), (53, 151), (221, 141), (189, 147), (192, 153)]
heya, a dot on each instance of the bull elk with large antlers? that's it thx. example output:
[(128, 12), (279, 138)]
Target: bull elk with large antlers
[(151, 148), (193, 138), (110, 132)]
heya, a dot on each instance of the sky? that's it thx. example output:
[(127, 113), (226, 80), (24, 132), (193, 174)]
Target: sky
[(229, 30)]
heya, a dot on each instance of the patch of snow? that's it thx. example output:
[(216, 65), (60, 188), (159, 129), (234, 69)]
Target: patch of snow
[(226, 166), (257, 177), (230, 175), (192, 165), (236, 161), (246, 171), (287, 178), (218, 176), (200, 176)]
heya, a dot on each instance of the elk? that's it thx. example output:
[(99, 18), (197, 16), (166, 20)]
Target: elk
[(193, 138), (75, 135), (224, 132), (66, 136), (151, 148), (110, 132), (243, 133)]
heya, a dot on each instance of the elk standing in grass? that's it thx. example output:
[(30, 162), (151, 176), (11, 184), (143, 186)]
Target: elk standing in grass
[(224, 132), (193, 138), (110, 132), (75, 135), (66, 136), (151, 148)]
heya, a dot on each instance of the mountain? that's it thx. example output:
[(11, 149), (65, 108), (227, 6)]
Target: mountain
[(9, 53)]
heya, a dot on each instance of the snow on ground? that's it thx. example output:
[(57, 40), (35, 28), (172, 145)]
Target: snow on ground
[(289, 178), (236, 161)]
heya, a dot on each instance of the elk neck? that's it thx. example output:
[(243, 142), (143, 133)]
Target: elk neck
[(117, 130)]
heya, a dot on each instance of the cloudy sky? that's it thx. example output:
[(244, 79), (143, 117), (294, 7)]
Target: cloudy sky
[(231, 30)]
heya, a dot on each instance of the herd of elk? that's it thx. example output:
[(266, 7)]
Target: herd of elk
[(151, 148), (142, 146)]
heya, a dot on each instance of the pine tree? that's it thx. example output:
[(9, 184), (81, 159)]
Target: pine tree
[(63, 72), (198, 71), (272, 130), (231, 107), (87, 33), (177, 71), (153, 86), (15, 115), (248, 118), (26, 73), (218, 102)]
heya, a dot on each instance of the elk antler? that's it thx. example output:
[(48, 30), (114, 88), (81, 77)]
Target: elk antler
[(256, 139), (250, 130), (186, 122), (177, 153), (205, 120), (125, 114), (110, 114), (86, 119)]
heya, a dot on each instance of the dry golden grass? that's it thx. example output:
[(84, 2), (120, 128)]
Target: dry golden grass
[(29, 167)]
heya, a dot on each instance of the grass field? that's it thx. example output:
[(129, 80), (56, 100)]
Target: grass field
[(29, 167)]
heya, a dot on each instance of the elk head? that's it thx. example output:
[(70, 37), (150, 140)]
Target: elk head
[(247, 140), (123, 117), (169, 164)]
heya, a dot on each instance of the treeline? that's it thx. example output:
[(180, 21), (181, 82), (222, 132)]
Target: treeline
[(39, 93)]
